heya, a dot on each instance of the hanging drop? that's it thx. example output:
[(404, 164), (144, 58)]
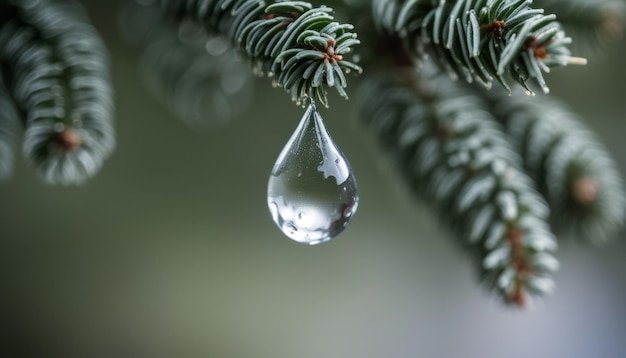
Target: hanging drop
[(312, 193)]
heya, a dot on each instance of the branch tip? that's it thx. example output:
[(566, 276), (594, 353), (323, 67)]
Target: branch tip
[(576, 61), (518, 296)]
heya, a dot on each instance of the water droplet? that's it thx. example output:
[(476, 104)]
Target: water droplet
[(312, 193)]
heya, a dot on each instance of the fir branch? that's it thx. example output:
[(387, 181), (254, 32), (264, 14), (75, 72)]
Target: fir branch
[(202, 88), (480, 39), (573, 170), (197, 74), (452, 153), (9, 121), (302, 47), (594, 24), (56, 68)]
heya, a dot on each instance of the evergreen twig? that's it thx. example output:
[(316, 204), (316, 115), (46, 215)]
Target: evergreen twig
[(300, 46), (55, 66), (197, 74), (594, 24), (480, 39), (452, 153), (9, 121), (572, 168)]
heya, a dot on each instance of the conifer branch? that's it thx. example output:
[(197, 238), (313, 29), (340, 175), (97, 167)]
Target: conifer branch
[(55, 66), (480, 39), (594, 24), (9, 121), (452, 153), (572, 168), (202, 88), (300, 46), (197, 74)]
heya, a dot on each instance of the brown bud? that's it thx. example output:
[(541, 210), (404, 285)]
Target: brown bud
[(68, 139), (584, 190)]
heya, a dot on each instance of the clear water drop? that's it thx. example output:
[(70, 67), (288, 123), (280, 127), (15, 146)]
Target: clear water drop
[(312, 192)]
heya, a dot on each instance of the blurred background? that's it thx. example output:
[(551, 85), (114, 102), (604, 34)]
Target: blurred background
[(170, 250)]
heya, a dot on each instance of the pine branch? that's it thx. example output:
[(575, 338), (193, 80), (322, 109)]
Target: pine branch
[(9, 120), (573, 170), (56, 67), (299, 45), (202, 88), (197, 74), (594, 24), (452, 153), (480, 39)]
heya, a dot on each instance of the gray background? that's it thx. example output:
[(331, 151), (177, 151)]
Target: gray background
[(170, 251)]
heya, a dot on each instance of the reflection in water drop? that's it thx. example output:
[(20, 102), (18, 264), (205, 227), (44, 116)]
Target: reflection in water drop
[(312, 193)]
